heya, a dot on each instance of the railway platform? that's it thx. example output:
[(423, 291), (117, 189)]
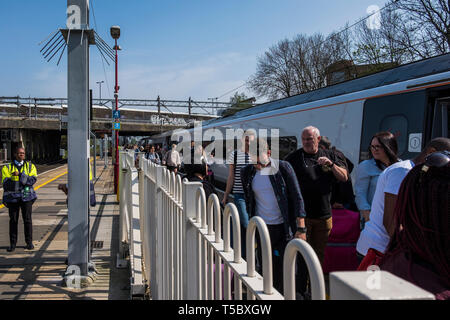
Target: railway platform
[(38, 274)]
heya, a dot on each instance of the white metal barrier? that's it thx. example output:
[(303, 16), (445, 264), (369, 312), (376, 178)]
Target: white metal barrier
[(176, 243), (185, 252), (130, 223)]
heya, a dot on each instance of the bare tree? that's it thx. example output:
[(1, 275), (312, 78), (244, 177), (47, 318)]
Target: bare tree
[(430, 19), (297, 66), (274, 76), (409, 30)]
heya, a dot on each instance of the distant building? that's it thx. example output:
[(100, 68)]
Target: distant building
[(346, 70)]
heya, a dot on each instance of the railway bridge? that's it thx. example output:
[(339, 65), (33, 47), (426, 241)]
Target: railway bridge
[(40, 124)]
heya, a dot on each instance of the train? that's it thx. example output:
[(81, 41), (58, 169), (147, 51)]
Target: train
[(411, 101)]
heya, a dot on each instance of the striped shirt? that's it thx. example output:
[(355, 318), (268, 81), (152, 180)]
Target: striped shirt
[(242, 160)]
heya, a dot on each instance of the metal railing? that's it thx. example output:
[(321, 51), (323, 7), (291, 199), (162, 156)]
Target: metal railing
[(130, 223), (176, 244), (185, 252)]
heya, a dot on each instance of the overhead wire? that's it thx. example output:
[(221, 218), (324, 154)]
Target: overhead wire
[(103, 63), (334, 35)]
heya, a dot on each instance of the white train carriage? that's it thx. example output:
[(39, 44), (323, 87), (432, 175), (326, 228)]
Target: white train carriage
[(411, 101)]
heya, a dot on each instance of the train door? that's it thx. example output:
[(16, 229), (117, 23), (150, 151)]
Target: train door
[(402, 114), (439, 126)]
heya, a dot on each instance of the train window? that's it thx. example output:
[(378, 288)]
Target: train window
[(398, 126), (287, 145), (401, 114), (441, 119)]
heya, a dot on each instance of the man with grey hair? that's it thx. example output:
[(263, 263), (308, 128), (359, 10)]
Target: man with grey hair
[(316, 171)]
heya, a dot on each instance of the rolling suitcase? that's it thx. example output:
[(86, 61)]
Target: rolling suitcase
[(340, 253)]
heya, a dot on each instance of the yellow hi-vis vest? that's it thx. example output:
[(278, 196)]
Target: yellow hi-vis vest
[(19, 187)]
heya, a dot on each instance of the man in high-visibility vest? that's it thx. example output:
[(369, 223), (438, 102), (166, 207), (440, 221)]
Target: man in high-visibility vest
[(18, 179)]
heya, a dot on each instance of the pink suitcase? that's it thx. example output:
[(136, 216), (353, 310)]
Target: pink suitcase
[(340, 253)]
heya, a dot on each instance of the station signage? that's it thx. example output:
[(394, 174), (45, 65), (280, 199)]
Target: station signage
[(116, 125), (116, 114)]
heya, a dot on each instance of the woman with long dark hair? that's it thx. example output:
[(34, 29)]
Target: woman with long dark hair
[(383, 151), (419, 250)]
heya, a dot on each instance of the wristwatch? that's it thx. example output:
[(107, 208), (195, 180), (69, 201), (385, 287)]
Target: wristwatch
[(301, 229)]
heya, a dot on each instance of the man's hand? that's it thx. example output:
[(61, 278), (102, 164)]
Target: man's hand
[(337, 205), (16, 173), (365, 214), (324, 161), (225, 199), (299, 235)]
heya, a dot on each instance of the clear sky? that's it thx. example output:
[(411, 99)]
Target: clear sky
[(173, 48)]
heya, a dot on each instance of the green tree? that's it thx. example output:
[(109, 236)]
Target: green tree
[(238, 102)]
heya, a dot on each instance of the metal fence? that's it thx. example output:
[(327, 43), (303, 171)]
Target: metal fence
[(185, 251)]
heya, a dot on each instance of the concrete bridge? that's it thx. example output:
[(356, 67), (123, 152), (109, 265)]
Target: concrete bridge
[(40, 123), (158, 115)]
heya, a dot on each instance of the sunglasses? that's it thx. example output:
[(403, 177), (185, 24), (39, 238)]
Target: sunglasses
[(376, 148), (436, 159)]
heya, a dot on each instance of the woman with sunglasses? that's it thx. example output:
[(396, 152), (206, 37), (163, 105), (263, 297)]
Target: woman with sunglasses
[(420, 246), (382, 153)]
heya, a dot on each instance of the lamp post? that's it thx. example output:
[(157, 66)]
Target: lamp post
[(100, 87), (115, 34)]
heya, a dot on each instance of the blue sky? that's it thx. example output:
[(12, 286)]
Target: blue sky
[(176, 49)]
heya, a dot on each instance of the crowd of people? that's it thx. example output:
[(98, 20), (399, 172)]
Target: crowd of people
[(403, 204)]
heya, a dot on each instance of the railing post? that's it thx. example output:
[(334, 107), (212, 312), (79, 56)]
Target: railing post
[(191, 251), (214, 207), (137, 287), (266, 252), (314, 269), (159, 239), (231, 211), (152, 222), (121, 262), (143, 212)]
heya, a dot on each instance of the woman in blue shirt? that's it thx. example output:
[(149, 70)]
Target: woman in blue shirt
[(382, 153)]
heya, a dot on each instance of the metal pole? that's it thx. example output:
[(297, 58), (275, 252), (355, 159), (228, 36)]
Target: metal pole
[(112, 137), (100, 85), (95, 154), (105, 150), (116, 163), (190, 105), (78, 140)]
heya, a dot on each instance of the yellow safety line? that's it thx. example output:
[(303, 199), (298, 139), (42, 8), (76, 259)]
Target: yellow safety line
[(50, 180), (47, 182)]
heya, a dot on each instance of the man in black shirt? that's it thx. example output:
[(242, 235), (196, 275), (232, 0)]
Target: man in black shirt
[(316, 170)]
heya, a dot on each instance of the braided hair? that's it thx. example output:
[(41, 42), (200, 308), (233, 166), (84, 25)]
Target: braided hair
[(422, 220)]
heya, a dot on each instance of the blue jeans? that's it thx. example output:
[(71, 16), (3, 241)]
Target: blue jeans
[(239, 201)]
